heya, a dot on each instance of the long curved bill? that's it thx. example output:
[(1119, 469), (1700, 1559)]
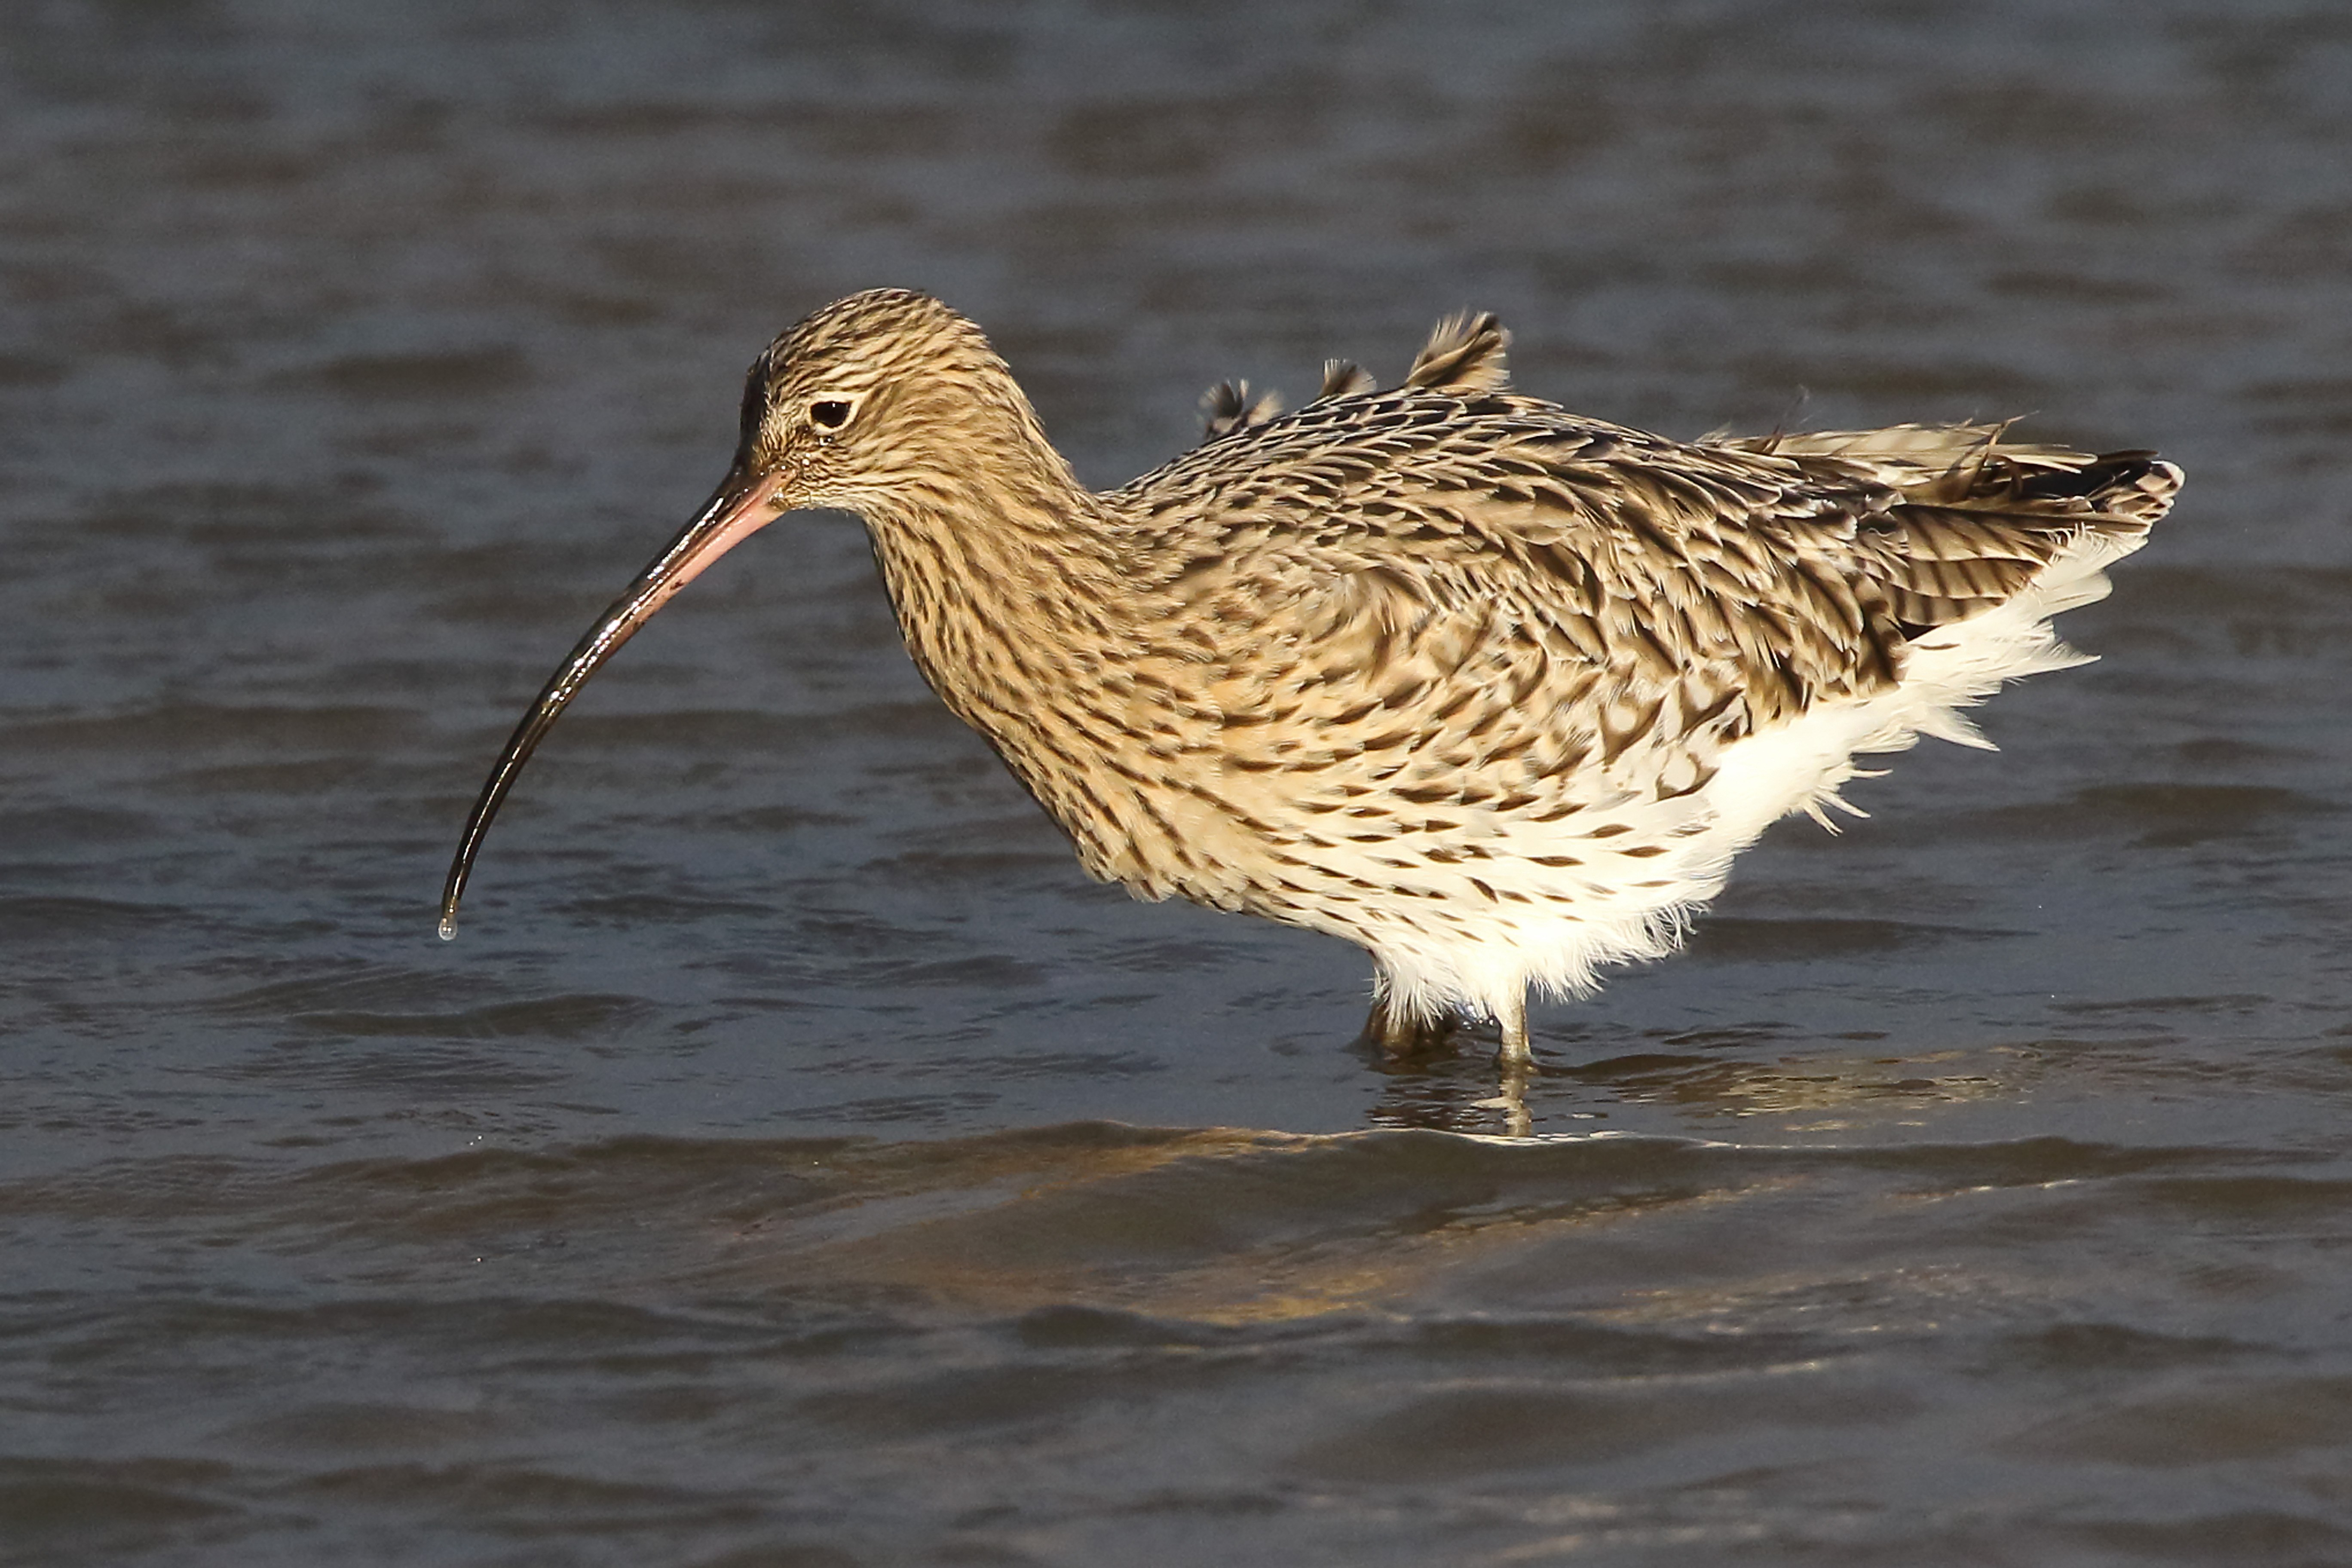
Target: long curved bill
[(743, 505)]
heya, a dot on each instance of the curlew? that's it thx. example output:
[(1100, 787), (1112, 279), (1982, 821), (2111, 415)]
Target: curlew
[(1492, 690)]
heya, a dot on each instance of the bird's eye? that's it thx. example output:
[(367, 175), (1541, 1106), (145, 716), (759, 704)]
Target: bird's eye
[(830, 415)]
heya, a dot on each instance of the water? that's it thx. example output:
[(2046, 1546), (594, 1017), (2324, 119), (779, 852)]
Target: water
[(795, 1161)]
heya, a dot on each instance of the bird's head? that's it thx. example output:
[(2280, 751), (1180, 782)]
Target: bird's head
[(867, 400), (872, 405)]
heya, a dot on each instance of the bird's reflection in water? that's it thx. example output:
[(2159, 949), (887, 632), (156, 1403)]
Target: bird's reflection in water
[(1458, 1087), (1453, 1086), (1810, 1083)]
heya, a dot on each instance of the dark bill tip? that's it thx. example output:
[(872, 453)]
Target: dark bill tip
[(740, 508)]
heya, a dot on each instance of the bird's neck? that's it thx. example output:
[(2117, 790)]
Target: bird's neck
[(1017, 594), (1004, 573)]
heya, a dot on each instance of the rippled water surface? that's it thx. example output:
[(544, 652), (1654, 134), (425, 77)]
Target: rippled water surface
[(796, 1160)]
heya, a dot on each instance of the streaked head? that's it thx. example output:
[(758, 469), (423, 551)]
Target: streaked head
[(866, 396)]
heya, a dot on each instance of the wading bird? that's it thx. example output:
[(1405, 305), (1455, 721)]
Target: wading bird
[(1492, 690)]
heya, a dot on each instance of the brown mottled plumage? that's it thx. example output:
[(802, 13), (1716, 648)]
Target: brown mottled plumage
[(1491, 689)]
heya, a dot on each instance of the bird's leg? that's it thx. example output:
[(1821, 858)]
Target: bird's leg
[(1515, 1066), (1400, 1033), (1512, 1020)]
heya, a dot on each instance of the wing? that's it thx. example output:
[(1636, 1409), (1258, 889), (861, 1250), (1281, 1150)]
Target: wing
[(1452, 589)]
